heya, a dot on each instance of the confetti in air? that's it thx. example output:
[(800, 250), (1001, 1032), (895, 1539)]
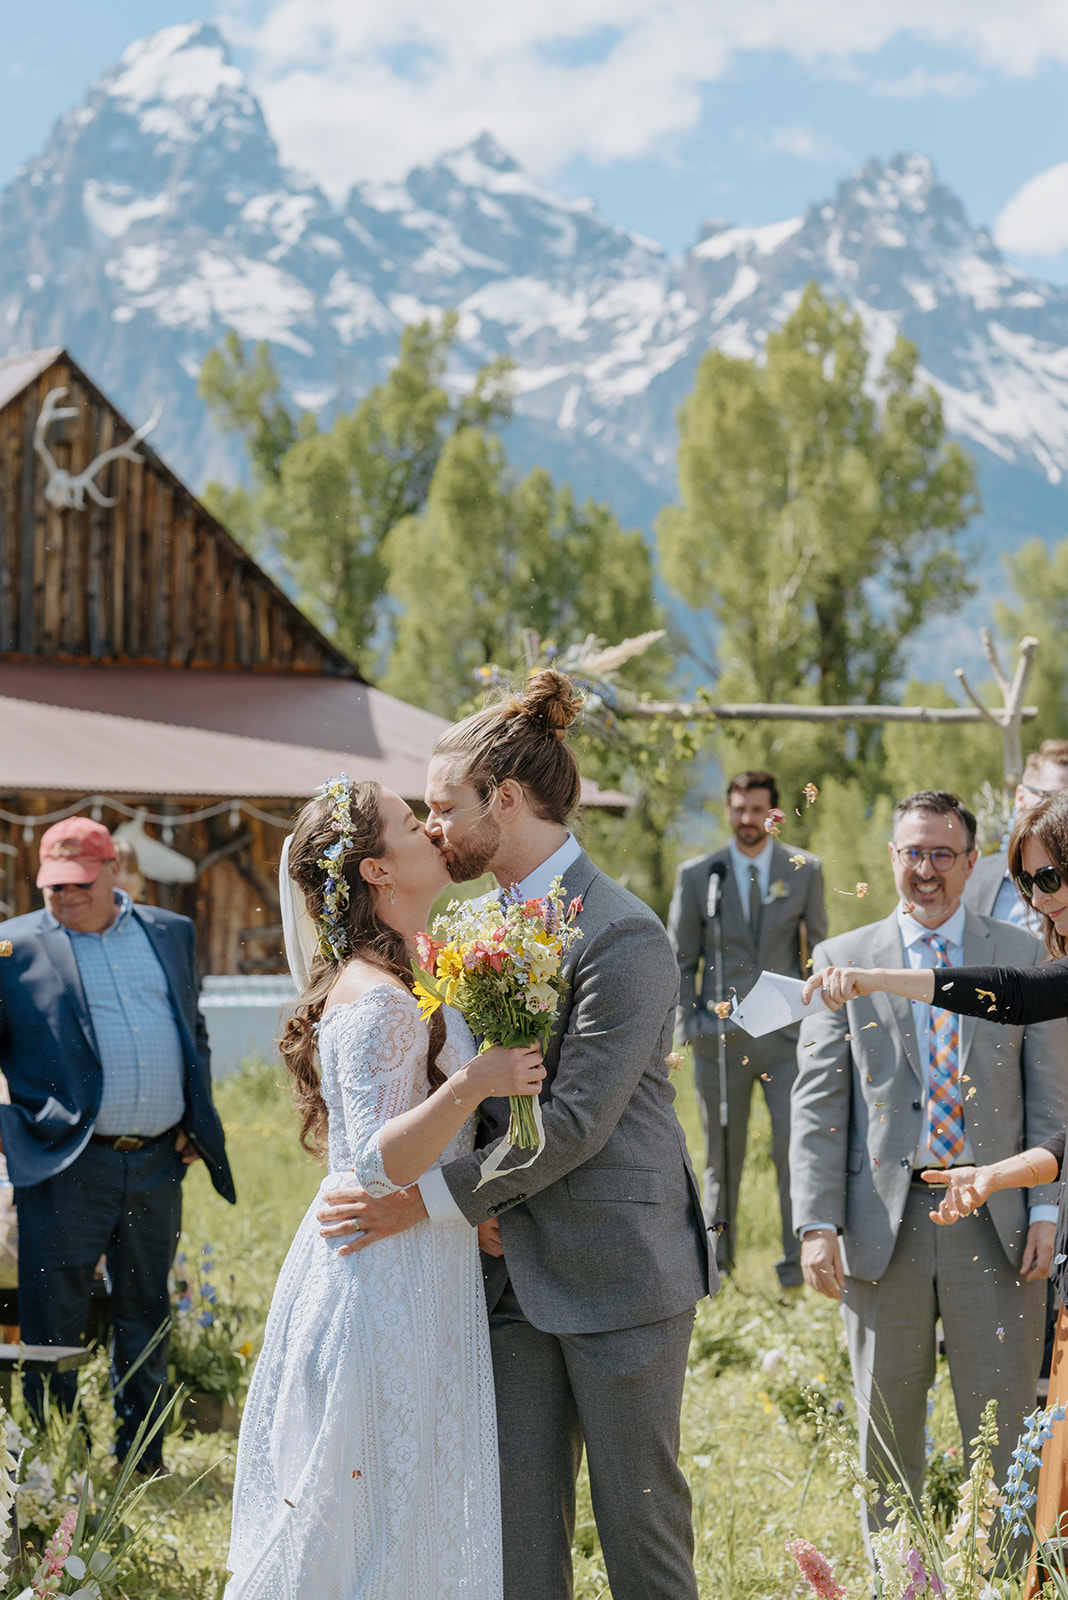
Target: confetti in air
[(811, 793), (774, 820)]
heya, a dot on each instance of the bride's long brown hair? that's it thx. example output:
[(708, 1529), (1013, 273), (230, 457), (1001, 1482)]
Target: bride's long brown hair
[(370, 939)]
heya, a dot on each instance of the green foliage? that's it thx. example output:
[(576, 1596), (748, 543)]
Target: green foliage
[(243, 394), (814, 531), (491, 557), (326, 498), (814, 523), (1040, 579)]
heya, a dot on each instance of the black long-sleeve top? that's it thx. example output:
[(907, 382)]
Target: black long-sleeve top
[(1017, 996), (1013, 995)]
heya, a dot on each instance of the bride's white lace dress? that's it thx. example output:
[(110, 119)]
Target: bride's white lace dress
[(367, 1461)]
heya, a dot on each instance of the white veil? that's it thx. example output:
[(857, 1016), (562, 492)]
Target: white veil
[(298, 924)]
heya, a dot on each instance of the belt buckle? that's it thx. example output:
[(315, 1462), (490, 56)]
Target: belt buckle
[(127, 1142)]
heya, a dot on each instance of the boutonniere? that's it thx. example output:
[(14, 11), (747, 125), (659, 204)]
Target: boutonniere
[(5, 947), (776, 891)]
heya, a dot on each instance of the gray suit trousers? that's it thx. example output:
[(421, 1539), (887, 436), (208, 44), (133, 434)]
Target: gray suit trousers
[(620, 1392), (771, 1062), (993, 1324)]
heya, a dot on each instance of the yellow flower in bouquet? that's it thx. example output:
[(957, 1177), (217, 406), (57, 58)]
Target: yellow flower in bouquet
[(498, 961)]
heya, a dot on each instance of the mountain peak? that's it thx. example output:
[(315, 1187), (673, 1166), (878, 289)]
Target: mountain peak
[(184, 63), (486, 150)]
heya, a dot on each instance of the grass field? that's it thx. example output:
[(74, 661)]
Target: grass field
[(757, 1474)]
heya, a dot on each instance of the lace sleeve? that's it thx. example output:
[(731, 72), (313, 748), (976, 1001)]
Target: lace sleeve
[(381, 1048)]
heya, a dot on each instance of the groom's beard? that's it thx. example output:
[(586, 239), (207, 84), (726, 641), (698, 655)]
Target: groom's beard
[(471, 857)]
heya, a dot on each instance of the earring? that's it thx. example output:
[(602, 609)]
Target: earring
[(393, 897)]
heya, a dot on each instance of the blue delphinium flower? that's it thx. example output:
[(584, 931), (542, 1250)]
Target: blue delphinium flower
[(1019, 1496)]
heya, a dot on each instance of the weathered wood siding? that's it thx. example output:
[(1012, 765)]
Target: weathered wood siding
[(153, 578), (233, 901)]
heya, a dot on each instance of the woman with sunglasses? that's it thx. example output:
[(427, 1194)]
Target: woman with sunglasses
[(1038, 862)]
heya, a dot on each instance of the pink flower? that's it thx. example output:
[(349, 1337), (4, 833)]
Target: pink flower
[(535, 907), (50, 1573), (816, 1570), (428, 949), (574, 908)]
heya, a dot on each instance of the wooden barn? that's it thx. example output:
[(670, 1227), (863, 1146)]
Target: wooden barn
[(153, 674)]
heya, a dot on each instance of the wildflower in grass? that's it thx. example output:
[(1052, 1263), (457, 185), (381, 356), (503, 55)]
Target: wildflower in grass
[(816, 1570), (969, 1537), (1019, 1496), (50, 1572), (8, 1469)]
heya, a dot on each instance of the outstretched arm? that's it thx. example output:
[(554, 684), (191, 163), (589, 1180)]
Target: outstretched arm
[(1016, 996)]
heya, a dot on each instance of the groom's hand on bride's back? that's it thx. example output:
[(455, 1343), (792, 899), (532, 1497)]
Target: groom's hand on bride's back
[(350, 1213)]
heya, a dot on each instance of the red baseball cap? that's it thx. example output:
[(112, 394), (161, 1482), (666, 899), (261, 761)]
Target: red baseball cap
[(73, 851)]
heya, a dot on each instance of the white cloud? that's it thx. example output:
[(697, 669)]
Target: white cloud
[(1035, 221), (805, 143), (358, 88), (920, 81)]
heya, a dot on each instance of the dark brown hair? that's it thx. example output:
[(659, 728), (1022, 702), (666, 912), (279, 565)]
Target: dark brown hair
[(370, 939), (754, 780), (523, 737), (943, 804), (1047, 822)]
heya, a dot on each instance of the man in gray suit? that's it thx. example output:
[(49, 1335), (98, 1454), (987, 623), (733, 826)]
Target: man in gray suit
[(768, 912), (990, 889), (886, 1090), (595, 1254)]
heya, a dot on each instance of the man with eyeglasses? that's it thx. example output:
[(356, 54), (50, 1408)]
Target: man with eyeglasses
[(887, 1089), (990, 889)]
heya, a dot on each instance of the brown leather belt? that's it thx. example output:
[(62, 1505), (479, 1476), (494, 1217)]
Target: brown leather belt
[(126, 1142)]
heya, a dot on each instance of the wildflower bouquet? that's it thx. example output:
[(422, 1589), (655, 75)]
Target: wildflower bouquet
[(498, 961)]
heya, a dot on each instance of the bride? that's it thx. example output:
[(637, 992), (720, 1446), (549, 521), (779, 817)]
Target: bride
[(367, 1460)]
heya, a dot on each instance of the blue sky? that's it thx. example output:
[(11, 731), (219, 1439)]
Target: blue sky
[(664, 115)]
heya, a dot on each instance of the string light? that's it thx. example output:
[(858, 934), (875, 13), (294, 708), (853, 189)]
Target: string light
[(31, 820)]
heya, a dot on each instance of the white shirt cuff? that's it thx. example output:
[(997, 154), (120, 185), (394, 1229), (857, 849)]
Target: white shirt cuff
[(1042, 1214), (816, 1227), (440, 1205)]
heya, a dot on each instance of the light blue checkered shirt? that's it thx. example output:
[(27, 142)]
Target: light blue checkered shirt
[(136, 1032)]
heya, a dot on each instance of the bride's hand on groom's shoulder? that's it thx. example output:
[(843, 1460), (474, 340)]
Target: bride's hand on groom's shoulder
[(350, 1213)]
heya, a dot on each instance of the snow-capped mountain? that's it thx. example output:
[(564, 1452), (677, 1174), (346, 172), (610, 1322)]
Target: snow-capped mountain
[(160, 214)]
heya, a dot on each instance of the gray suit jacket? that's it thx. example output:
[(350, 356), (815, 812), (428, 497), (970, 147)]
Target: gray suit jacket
[(981, 889), (798, 900), (605, 1229), (857, 1109)]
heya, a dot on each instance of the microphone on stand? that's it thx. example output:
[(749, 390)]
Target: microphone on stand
[(715, 888)]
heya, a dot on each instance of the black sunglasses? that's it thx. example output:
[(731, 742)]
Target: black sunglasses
[(1048, 879)]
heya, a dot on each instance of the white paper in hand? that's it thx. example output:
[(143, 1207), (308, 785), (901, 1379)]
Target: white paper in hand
[(774, 1002)]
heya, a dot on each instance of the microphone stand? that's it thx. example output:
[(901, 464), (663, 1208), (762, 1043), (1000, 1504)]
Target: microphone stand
[(715, 889)]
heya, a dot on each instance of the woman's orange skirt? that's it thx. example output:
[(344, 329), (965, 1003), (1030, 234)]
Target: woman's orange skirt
[(1051, 1511)]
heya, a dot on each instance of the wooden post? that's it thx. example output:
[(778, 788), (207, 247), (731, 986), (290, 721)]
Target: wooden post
[(1012, 714), (1008, 717)]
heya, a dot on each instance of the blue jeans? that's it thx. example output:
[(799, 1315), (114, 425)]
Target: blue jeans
[(127, 1207)]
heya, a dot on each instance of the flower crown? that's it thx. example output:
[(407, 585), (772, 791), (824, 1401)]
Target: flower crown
[(333, 939)]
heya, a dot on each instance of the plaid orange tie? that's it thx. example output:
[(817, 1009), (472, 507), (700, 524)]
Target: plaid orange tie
[(945, 1110)]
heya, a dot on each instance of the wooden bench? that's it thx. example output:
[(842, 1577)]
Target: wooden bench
[(46, 1358)]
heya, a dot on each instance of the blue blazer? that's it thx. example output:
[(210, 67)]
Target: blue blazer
[(49, 1056)]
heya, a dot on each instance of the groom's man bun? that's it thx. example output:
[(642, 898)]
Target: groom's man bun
[(523, 737), (547, 697)]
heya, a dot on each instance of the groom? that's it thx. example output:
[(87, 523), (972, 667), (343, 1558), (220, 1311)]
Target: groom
[(595, 1255)]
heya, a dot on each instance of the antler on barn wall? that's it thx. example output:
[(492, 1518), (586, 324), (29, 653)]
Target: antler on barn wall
[(64, 490)]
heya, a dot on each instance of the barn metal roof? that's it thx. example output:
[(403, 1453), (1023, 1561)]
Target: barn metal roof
[(160, 731)]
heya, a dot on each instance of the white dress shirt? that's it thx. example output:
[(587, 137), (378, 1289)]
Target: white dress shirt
[(440, 1205)]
